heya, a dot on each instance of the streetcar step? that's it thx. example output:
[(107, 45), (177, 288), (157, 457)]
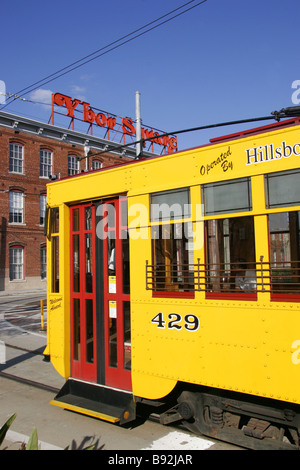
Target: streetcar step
[(115, 406)]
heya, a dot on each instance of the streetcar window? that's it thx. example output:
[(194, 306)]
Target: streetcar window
[(54, 223), (55, 264), (126, 335), (76, 332), (76, 263), (170, 205), (55, 220), (230, 255), (227, 196), (89, 330), (283, 189), (284, 239), (172, 256)]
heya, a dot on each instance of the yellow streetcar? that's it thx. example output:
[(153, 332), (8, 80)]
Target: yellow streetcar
[(174, 285)]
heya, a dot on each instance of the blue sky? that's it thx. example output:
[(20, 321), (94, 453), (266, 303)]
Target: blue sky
[(223, 60)]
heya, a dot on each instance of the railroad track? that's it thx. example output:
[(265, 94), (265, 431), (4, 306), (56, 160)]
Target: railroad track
[(54, 390), (27, 381), (27, 318)]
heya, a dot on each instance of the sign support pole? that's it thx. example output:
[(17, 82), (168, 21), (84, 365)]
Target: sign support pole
[(138, 123)]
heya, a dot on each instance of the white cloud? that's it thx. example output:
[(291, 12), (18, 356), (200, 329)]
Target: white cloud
[(41, 96), (78, 92), (2, 94)]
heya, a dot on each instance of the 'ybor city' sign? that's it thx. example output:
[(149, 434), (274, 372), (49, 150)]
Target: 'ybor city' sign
[(104, 120)]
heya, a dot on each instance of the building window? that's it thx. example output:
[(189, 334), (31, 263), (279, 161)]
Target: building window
[(16, 207), (45, 163), (73, 165), (227, 196), (16, 158), (96, 165), (16, 263), (43, 262), (43, 202)]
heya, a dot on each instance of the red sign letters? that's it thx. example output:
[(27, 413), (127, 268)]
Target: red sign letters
[(104, 120)]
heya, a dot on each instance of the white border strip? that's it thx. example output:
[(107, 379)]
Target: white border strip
[(176, 440)]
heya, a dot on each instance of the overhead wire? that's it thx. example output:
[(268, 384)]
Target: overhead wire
[(75, 110), (275, 115), (79, 63), (112, 46)]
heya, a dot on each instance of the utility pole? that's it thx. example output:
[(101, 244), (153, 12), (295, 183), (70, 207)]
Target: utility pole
[(87, 154), (138, 123)]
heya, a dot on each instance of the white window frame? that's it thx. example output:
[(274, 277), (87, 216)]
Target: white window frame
[(45, 163), (43, 256), (16, 263), (96, 164), (73, 165), (43, 203), (16, 157), (16, 207)]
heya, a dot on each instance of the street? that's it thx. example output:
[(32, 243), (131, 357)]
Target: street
[(28, 383)]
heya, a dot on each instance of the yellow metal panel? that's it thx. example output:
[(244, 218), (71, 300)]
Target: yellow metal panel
[(86, 187), (188, 168), (258, 191), (279, 345), (149, 386), (250, 347), (58, 304), (239, 346), (161, 355), (211, 168)]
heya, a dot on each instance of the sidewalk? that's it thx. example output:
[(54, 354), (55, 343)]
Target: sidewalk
[(16, 334), (25, 293), (31, 404)]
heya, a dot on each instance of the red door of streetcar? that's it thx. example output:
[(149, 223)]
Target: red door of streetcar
[(116, 293), (83, 293), (100, 293)]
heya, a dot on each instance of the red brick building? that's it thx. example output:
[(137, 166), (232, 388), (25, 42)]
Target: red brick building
[(30, 152)]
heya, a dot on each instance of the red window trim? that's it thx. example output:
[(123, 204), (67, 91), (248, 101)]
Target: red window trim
[(285, 297), (175, 295), (231, 296)]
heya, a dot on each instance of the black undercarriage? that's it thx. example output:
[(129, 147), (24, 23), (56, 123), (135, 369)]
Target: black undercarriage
[(244, 420), (247, 421)]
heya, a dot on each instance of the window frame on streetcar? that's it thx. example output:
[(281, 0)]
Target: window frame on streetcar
[(171, 240)]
